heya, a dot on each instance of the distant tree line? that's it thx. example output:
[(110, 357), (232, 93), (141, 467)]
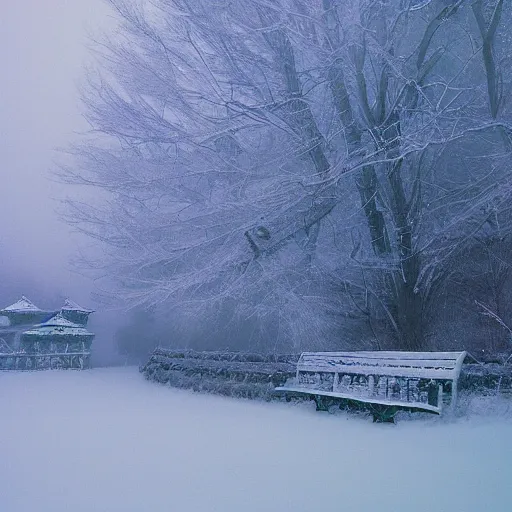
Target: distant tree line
[(287, 174)]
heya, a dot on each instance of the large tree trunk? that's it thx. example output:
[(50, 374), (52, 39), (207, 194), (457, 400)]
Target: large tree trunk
[(409, 301)]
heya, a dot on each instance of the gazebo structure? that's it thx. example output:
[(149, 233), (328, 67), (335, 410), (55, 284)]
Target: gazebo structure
[(55, 341)]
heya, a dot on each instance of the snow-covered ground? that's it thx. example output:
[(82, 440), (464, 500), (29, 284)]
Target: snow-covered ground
[(106, 440)]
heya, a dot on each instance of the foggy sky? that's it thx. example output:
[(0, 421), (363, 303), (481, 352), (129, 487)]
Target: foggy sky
[(42, 50)]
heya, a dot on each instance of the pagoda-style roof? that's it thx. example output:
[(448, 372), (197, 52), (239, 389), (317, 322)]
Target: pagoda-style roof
[(58, 321), (70, 305), (58, 325), (23, 305)]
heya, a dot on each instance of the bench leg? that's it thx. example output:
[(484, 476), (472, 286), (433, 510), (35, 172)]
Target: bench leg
[(384, 414), (321, 403)]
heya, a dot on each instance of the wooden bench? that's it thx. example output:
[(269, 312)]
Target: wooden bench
[(382, 382)]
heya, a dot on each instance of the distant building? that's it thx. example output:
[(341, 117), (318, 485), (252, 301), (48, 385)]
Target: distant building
[(34, 339), (75, 313), (24, 312)]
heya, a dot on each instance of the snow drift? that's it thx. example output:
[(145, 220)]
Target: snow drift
[(107, 440)]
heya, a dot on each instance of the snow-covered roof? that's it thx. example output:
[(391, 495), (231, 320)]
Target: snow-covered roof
[(58, 325), (58, 321), (23, 305), (70, 305)]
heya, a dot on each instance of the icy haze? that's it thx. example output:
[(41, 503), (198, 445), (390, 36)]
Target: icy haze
[(106, 440)]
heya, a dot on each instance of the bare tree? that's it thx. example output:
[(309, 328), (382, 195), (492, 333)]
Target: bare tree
[(357, 147)]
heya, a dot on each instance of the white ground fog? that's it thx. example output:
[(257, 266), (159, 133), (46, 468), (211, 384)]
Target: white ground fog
[(106, 440)]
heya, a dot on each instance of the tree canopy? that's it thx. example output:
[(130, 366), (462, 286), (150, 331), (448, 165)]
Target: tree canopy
[(311, 168)]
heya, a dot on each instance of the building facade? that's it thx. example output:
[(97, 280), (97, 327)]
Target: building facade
[(36, 339)]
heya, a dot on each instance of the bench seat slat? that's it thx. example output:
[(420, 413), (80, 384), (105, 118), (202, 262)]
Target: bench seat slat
[(419, 373), (357, 398), (389, 355)]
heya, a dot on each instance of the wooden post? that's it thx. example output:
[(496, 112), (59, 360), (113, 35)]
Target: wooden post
[(432, 393), (453, 402), (457, 370), (371, 385), (440, 398)]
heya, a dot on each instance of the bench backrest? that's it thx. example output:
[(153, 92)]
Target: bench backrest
[(420, 365)]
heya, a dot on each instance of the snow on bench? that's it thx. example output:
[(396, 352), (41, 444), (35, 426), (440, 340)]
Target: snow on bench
[(383, 381)]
